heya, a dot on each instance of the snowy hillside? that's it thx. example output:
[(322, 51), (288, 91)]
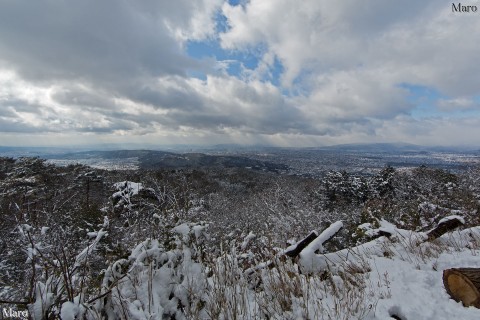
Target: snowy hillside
[(84, 243), (398, 277)]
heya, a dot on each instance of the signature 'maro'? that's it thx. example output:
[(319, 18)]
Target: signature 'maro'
[(461, 8)]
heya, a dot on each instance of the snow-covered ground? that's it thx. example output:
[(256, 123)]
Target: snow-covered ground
[(399, 277), (412, 277)]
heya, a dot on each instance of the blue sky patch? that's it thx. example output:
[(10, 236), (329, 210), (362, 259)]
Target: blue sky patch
[(427, 99), (424, 98)]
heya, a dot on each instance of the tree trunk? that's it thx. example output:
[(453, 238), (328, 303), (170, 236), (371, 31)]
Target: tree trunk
[(463, 284)]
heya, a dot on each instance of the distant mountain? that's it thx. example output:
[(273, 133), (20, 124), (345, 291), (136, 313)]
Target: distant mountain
[(15, 152), (112, 154), (396, 147), (375, 147)]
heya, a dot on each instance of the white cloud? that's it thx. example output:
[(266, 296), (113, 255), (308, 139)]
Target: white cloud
[(119, 70), (191, 20), (457, 104), (396, 42), (351, 59)]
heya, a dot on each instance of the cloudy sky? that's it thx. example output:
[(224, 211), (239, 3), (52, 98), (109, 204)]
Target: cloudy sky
[(282, 72)]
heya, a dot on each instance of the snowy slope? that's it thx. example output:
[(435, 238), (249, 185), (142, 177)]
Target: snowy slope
[(400, 276), (414, 276)]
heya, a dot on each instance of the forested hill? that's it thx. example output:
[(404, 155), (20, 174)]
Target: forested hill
[(151, 159)]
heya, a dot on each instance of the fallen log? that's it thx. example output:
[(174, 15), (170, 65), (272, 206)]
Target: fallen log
[(295, 249), (316, 246), (310, 249), (463, 285), (445, 225), (310, 245), (310, 261)]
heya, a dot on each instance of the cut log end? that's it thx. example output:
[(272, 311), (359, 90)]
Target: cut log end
[(463, 285)]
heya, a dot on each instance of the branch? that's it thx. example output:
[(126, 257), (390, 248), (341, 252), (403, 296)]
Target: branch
[(14, 302), (100, 296), (114, 285)]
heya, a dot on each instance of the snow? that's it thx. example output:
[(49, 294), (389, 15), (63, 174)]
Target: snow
[(403, 273), (416, 289), (407, 282), (69, 311), (182, 229), (125, 191), (43, 298), (73, 310), (247, 239), (187, 230), (453, 217), (44, 230), (160, 283), (106, 222), (400, 275), (132, 187), (92, 234), (396, 276), (82, 256), (317, 244), (387, 227), (199, 230)]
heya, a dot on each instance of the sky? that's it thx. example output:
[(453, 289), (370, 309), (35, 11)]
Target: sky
[(270, 72)]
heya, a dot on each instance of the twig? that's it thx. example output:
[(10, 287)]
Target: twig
[(14, 302)]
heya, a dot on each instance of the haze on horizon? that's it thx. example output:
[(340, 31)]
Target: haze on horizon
[(273, 72)]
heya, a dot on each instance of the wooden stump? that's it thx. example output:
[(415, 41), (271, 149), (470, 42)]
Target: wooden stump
[(463, 285)]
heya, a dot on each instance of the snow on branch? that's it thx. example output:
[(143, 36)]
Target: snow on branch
[(82, 256)]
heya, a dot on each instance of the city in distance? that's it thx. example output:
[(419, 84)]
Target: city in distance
[(313, 161)]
